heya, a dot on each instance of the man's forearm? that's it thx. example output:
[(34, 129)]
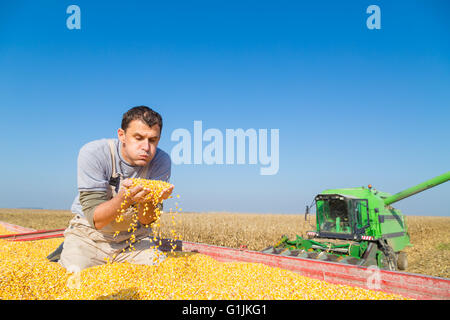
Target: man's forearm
[(107, 211), (149, 216)]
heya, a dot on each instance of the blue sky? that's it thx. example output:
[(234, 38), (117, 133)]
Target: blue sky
[(353, 106)]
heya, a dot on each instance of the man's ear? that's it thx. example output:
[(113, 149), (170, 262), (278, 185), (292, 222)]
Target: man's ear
[(121, 135)]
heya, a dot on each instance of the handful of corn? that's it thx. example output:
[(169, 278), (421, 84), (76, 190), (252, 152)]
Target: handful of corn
[(156, 188)]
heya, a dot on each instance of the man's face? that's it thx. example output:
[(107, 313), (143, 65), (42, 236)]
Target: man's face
[(139, 142)]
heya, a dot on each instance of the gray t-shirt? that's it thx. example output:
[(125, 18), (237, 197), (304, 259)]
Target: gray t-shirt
[(95, 168)]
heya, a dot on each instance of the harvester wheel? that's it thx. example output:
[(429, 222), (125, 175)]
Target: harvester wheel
[(402, 260)]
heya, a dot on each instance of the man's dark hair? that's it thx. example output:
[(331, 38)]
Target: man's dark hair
[(143, 113)]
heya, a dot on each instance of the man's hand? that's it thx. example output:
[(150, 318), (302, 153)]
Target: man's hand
[(136, 194), (165, 194)]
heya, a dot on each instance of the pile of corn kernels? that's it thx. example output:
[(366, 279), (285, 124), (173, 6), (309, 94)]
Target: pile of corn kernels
[(25, 273)]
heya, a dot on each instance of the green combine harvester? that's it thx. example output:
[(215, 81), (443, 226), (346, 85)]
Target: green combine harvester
[(357, 226)]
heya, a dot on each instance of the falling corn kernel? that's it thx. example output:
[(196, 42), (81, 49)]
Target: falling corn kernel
[(156, 187)]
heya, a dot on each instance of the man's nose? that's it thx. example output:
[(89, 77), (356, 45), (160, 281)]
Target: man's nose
[(145, 146)]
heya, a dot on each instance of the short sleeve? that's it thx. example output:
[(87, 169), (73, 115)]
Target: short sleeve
[(161, 167), (91, 166)]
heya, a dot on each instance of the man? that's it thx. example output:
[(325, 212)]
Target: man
[(94, 235)]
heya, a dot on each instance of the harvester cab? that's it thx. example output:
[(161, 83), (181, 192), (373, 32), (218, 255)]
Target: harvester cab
[(341, 216), (357, 226)]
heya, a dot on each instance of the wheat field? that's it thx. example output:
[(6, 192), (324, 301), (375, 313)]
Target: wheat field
[(430, 236)]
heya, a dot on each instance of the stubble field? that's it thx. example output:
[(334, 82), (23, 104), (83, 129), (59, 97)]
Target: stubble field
[(430, 236)]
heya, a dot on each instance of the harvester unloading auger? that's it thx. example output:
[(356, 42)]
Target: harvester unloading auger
[(359, 227)]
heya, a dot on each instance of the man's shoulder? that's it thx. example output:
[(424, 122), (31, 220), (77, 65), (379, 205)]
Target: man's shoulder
[(98, 145), (162, 157)]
